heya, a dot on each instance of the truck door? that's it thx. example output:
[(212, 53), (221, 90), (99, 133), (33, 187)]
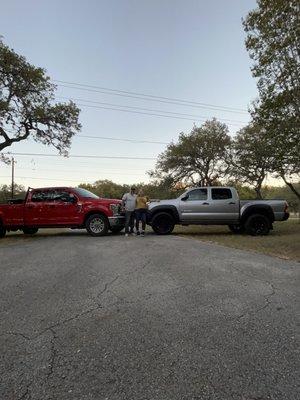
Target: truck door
[(64, 209), (194, 206), (36, 211), (224, 206)]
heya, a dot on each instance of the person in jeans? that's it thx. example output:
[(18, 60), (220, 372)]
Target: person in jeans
[(129, 201), (141, 212)]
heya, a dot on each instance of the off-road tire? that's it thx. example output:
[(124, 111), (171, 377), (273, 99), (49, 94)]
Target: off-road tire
[(236, 229), (163, 223), (30, 231), (257, 225), (97, 225)]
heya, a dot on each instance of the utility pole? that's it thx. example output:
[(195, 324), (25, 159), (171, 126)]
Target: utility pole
[(12, 177)]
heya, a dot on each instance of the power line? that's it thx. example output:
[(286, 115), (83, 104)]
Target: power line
[(148, 96), (145, 113), (111, 138), (152, 110), (159, 101), (46, 179), (72, 170), (81, 156), (119, 139)]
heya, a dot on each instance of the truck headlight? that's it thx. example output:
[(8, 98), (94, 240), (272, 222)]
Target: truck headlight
[(115, 208)]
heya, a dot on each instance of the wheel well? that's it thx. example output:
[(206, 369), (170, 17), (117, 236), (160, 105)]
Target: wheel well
[(93, 213), (169, 211), (266, 211)]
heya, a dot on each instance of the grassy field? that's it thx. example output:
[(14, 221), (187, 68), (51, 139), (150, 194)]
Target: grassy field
[(283, 241)]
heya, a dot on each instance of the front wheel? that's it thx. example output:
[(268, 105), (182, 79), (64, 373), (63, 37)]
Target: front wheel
[(30, 231), (163, 223), (97, 225), (2, 231), (257, 224), (236, 228)]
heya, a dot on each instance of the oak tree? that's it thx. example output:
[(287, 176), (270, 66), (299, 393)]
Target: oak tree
[(197, 158), (273, 42), (28, 108)]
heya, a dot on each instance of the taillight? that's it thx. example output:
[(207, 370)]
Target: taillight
[(286, 206)]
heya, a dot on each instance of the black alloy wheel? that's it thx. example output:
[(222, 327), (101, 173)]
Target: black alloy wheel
[(163, 223), (257, 225)]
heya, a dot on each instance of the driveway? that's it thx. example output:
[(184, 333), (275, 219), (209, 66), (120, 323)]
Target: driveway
[(151, 318)]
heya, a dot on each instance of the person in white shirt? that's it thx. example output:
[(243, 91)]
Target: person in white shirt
[(129, 203)]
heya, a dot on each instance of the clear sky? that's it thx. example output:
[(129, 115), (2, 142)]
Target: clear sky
[(191, 49)]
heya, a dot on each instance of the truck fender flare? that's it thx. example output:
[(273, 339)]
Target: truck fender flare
[(100, 210), (263, 209), (163, 208)]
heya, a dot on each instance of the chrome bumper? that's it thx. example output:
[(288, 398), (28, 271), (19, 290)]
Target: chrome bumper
[(118, 220)]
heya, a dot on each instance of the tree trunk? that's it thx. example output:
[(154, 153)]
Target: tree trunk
[(291, 186), (258, 194), (258, 191)]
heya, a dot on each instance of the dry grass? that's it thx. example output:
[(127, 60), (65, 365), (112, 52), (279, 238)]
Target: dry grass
[(283, 241)]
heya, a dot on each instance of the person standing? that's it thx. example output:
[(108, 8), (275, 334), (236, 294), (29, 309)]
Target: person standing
[(129, 203), (141, 212)]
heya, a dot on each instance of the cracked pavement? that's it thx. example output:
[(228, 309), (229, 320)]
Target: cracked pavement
[(151, 318)]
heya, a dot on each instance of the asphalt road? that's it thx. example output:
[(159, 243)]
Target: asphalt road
[(149, 318)]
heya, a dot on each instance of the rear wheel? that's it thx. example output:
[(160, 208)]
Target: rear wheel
[(237, 228), (257, 224), (2, 231), (116, 230), (30, 231), (163, 223), (97, 225)]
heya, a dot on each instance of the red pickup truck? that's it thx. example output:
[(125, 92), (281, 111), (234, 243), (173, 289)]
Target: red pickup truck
[(62, 207)]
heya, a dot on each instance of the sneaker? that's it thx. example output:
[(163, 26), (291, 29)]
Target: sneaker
[(143, 233), (126, 234), (138, 233)]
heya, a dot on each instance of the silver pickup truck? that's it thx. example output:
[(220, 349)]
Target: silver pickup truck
[(216, 206)]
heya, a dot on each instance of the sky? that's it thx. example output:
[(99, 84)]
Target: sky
[(191, 50)]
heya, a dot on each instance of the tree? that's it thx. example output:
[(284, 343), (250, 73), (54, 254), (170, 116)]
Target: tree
[(105, 188), (251, 157), (197, 157), (5, 192), (27, 107), (273, 42)]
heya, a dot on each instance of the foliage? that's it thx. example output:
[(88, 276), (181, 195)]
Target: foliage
[(109, 189), (27, 107), (273, 42), (5, 192), (251, 157), (283, 192), (198, 156)]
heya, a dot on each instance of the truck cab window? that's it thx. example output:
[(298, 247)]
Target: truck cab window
[(221, 194), (39, 196), (197, 194)]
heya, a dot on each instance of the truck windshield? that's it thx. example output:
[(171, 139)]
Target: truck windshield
[(85, 193)]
